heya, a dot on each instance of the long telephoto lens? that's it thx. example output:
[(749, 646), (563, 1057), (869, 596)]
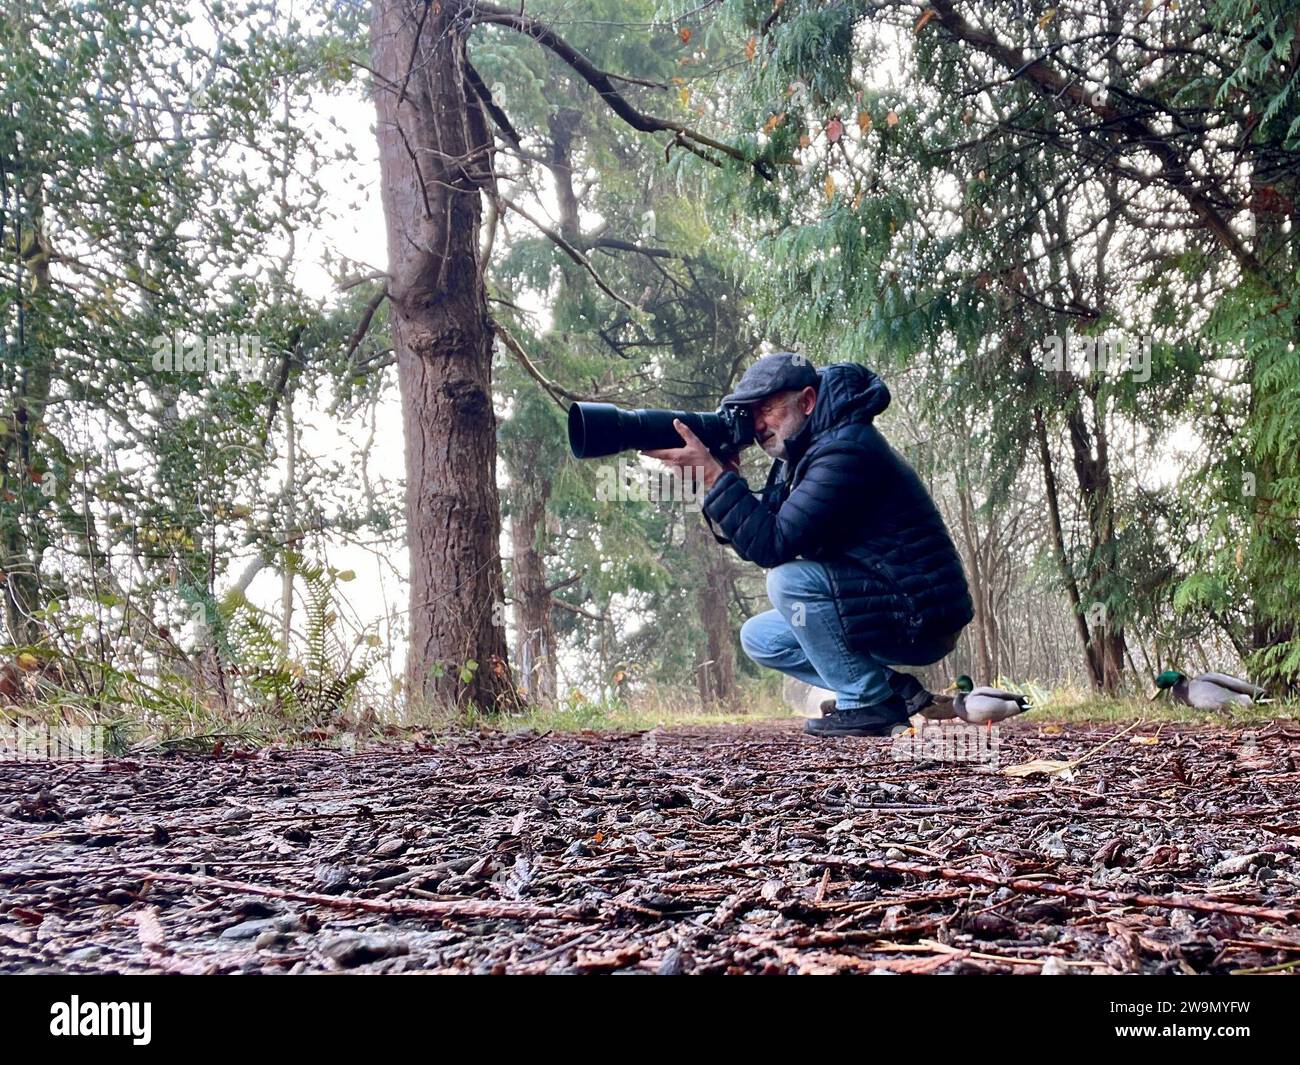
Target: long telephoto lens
[(597, 429)]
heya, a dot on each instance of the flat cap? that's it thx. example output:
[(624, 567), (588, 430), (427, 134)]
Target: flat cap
[(781, 371)]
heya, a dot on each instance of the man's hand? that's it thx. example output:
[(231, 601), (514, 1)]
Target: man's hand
[(694, 456)]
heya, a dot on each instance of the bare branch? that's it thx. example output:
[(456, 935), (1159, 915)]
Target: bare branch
[(602, 82), (556, 392), (569, 250)]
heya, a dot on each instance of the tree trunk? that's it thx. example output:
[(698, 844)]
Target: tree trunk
[(1093, 473), (434, 158), (1058, 546), (1272, 523), (715, 670), (979, 586), (24, 537), (534, 632)]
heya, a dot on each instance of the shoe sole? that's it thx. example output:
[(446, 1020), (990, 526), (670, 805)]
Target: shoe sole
[(860, 732)]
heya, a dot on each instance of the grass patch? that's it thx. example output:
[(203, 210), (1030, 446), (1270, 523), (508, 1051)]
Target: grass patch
[(1066, 706), (652, 709), (626, 718)]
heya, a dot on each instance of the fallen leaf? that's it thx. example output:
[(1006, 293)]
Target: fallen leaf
[(1046, 766), (864, 121), (773, 122), (924, 19), (685, 34), (834, 129), (891, 119), (829, 188), (618, 958), (751, 48)]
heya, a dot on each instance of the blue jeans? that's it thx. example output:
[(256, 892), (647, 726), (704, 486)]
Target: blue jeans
[(804, 637)]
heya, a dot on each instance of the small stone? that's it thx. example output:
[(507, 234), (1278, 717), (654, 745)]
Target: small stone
[(672, 964), (1054, 846), (1053, 967), (1236, 865), (332, 878), (250, 929), (390, 847), (990, 926), (237, 813), (350, 949), (273, 938)]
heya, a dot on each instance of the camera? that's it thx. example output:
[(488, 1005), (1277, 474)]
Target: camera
[(597, 429)]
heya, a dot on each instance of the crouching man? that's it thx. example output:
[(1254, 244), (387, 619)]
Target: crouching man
[(863, 574)]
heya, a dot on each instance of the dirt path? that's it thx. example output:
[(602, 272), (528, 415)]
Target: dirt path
[(728, 849)]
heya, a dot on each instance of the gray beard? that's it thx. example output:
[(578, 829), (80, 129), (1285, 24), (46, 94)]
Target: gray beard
[(778, 443)]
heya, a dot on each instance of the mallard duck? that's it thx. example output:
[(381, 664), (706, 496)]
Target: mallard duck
[(983, 706), (940, 708), (1208, 691)]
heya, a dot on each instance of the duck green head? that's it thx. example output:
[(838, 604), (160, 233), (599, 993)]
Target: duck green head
[(964, 684), (1167, 680)]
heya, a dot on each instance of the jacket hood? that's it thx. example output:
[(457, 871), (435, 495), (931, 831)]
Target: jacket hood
[(847, 391)]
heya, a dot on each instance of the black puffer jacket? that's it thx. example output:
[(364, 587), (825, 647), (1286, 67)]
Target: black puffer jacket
[(846, 499)]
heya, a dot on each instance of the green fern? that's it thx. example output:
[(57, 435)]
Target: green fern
[(320, 683)]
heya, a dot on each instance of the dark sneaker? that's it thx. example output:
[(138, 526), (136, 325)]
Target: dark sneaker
[(883, 719)]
